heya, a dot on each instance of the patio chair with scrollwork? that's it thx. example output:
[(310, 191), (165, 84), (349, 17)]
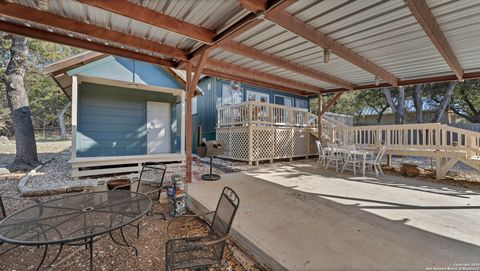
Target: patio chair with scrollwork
[(152, 173), (204, 251), (2, 209)]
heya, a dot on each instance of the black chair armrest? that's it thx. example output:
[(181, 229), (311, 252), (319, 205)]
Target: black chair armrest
[(125, 185)]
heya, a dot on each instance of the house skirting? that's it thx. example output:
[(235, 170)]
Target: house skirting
[(266, 143), (92, 166)]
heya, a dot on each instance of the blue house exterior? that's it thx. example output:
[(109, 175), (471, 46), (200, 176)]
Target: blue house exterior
[(124, 113), (220, 92), (114, 99)]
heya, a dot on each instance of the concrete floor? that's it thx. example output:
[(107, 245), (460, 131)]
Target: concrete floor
[(297, 217)]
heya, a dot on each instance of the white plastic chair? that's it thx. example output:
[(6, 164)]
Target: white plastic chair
[(332, 155), (375, 164), (322, 156), (351, 161)]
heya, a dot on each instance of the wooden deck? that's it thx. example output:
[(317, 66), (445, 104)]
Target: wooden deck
[(255, 131)]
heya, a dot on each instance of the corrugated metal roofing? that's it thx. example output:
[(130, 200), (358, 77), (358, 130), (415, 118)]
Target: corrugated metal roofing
[(384, 32)]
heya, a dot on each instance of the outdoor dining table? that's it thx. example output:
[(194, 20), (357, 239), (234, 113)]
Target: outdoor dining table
[(75, 220), (358, 152)]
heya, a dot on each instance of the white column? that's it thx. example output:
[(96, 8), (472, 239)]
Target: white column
[(74, 115)]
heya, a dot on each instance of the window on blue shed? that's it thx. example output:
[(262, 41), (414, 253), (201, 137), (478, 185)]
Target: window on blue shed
[(301, 103), (231, 96)]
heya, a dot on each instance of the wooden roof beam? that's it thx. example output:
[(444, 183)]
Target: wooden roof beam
[(295, 25), (57, 38), (50, 19), (236, 30), (427, 21), (236, 77), (241, 49), (261, 76), (409, 82), (291, 23), (151, 17)]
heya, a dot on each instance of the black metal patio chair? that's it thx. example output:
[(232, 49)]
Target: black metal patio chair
[(2, 207), (153, 173), (204, 251)]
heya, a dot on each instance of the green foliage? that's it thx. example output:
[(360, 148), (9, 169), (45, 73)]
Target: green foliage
[(45, 97)]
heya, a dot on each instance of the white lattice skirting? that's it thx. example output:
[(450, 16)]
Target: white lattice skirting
[(261, 143)]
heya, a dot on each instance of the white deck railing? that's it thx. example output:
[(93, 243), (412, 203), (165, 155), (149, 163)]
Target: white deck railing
[(248, 113), (425, 136)]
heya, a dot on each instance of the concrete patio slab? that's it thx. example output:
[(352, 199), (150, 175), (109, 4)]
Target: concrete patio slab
[(297, 217)]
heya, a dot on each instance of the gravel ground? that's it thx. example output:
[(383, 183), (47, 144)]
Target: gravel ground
[(110, 256)]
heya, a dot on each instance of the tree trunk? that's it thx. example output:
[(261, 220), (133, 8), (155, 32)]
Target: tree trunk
[(418, 102), (380, 114), (398, 109), (445, 102), (61, 121), (26, 149), (400, 113)]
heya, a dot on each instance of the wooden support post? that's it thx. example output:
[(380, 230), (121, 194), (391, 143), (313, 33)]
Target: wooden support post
[(332, 102), (319, 119), (191, 86)]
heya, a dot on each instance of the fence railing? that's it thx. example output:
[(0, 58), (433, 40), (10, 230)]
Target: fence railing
[(342, 118), (412, 137), (260, 113)]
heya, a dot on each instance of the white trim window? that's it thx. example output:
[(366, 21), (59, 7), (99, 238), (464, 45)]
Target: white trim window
[(284, 100), (301, 103), (258, 96)]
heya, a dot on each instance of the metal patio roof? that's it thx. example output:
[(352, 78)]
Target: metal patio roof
[(282, 44)]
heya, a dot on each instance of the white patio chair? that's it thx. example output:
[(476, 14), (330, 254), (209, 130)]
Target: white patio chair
[(351, 161), (375, 164), (333, 156), (322, 156)]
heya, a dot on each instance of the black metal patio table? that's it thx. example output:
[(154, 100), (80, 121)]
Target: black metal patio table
[(75, 220)]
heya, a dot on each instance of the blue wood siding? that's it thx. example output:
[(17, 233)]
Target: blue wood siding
[(112, 120), (208, 103)]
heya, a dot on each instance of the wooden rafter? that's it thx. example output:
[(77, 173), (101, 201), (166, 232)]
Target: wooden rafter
[(258, 75), (241, 49), (225, 38), (426, 19), (57, 38), (288, 21), (50, 19), (67, 64), (331, 103), (198, 71), (295, 25), (409, 82), (248, 80), (139, 13)]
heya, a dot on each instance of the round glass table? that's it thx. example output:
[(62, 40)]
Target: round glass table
[(75, 220)]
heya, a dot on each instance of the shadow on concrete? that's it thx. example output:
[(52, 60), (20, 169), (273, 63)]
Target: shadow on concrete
[(289, 229)]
